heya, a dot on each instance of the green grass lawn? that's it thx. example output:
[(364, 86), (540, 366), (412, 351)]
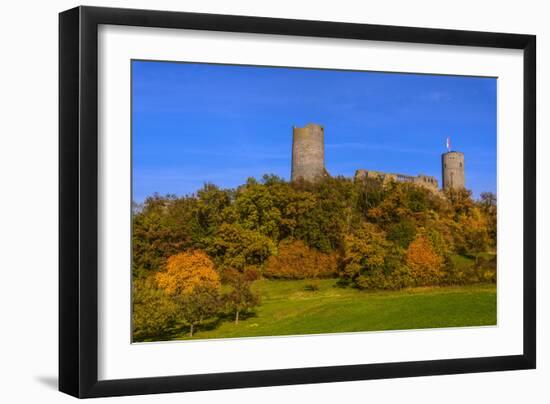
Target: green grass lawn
[(288, 309)]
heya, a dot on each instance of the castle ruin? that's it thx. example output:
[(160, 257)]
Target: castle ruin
[(308, 163), (422, 180)]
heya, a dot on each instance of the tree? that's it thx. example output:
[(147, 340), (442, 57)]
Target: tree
[(370, 194), (255, 210), (296, 260), (161, 227), (402, 233), (290, 202), (241, 298), (488, 205), (333, 215), (425, 265), (236, 247), (470, 233), (153, 311), (186, 271), (202, 303), (193, 283), (211, 202), (475, 229), (460, 200), (366, 230), (416, 198), (488, 200), (364, 253)]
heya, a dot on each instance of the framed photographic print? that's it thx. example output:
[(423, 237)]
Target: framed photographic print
[(250, 201)]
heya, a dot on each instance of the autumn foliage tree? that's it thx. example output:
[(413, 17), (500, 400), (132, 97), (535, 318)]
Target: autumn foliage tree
[(369, 233), (191, 279), (295, 260), (424, 263), (186, 271)]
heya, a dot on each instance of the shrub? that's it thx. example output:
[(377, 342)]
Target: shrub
[(392, 275), (297, 261), (461, 270), (452, 274), (486, 269)]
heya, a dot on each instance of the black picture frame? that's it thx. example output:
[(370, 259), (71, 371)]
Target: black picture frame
[(78, 201)]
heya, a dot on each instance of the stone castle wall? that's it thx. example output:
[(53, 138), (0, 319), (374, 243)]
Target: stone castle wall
[(422, 180), (308, 153)]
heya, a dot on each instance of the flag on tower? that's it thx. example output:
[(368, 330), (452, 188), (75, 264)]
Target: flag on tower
[(448, 144)]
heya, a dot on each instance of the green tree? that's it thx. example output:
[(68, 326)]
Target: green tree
[(402, 233), (153, 311), (201, 304), (160, 228), (241, 298), (333, 215), (291, 203), (211, 202), (254, 209), (236, 247), (488, 205), (364, 254)]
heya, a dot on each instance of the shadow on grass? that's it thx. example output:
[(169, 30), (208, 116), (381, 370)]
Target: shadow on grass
[(181, 331)]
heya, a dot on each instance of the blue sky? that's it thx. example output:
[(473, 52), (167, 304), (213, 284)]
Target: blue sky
[(196, 123)]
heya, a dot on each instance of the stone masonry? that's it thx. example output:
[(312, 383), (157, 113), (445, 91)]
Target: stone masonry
[(422, 180), (308, 152), (452, 166)]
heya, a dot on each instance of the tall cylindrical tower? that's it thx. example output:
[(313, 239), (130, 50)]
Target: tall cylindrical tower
[(452, 165), (308, 152)]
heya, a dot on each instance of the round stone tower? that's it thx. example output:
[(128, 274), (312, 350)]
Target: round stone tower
[(308, 152), (452, 164)]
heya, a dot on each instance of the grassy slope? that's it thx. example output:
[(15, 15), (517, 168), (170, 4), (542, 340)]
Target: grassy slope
[(287, 309)]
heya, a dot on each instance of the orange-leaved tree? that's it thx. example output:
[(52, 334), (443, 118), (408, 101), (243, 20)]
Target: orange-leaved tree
[(186, 271), (191, 279), (424, 263), (298, 261)]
